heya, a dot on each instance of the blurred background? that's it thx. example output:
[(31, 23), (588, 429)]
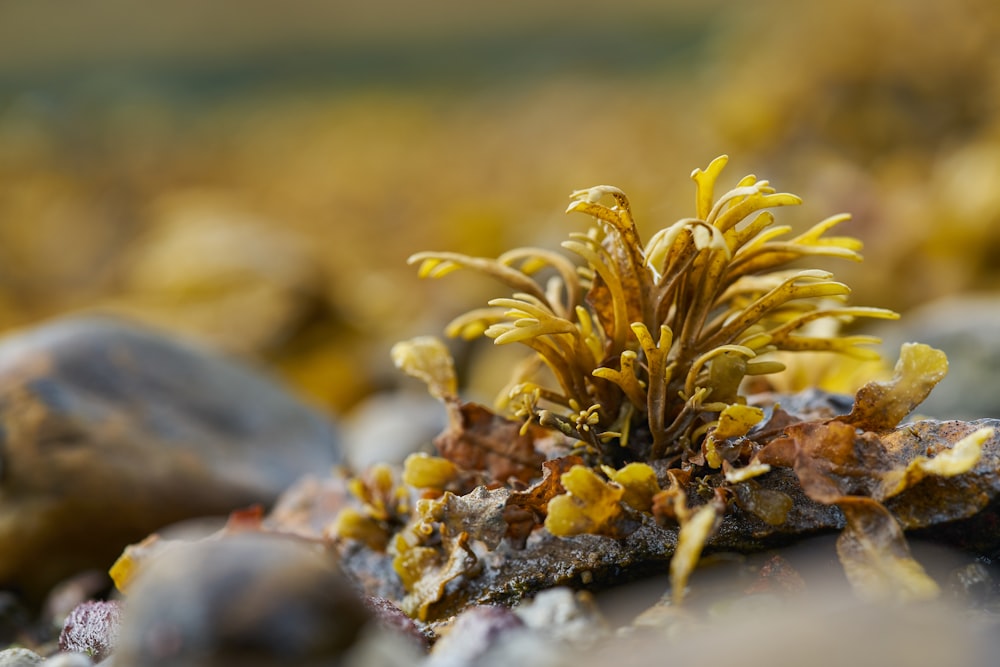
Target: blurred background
[(256, 173)]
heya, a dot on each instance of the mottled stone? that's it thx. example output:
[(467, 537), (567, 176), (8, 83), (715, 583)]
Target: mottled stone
[(109, 431), (253, 599), (19, 657), (92, 628), (475, 634)]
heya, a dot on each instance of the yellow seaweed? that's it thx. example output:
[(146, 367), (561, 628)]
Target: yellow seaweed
[(590, 504), (663, 332)]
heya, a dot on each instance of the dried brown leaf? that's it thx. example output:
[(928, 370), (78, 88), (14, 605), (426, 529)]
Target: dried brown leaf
[(478, 439), (665, 503), (831, 458), (527, 509), (839, 464)]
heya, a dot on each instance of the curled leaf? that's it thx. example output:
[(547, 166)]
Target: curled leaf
[(426, 358), (880, 406), (434, 548), (696, 528), (425, 571), (734, 420)]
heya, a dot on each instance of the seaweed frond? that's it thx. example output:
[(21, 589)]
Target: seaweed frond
[(649, 344)]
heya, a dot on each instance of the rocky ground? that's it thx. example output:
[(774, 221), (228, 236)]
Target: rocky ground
[(110, 432)]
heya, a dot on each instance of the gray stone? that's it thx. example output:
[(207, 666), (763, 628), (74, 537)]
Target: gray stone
[(109, 431), (388, 427), (19, 657), (251, 599), (564, 614), (475, 635)]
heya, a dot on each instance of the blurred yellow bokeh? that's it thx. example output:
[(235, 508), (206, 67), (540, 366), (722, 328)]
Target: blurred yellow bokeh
[(256, 173)]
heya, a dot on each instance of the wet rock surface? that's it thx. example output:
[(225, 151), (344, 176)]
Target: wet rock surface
[(959, 511), (109, 431)]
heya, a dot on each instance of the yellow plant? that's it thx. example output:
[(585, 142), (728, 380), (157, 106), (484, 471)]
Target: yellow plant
[(650, 343), (649, 346)]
